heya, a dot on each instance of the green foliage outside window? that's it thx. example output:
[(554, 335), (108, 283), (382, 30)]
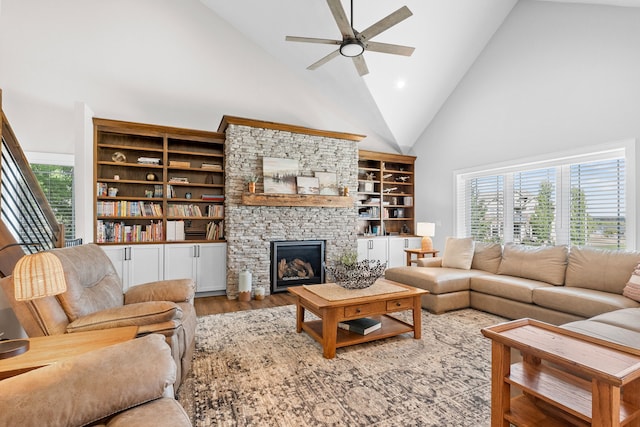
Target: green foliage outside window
[(57, 184)]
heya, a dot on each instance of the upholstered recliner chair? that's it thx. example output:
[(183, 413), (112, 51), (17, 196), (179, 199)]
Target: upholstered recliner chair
[(94, 300)]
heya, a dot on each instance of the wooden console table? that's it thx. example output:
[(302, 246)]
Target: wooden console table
[(566, 378), (53, 348)]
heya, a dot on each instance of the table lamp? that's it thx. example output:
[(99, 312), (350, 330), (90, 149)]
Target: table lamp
[(34, 276), (426, 230)]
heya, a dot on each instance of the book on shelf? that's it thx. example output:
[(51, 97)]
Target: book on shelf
[(213, 197), (212, 166), (175, 230), (149, 160), (179, 163), (362, 326)]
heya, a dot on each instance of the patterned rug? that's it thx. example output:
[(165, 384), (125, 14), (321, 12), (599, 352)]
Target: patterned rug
[(252, 369)]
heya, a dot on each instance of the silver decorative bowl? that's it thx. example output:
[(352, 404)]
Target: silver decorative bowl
[(360, 275)]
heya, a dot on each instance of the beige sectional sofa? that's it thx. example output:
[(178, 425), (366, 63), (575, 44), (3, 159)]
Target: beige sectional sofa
[(552, 284)]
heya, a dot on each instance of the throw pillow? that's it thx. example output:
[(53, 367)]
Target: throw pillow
[(632, 289), (458, 253)]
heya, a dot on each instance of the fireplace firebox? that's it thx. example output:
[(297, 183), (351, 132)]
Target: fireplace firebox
[(295, 263)]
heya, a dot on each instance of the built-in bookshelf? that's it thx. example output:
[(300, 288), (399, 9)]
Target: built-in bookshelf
[(386, 195), (157, 183)]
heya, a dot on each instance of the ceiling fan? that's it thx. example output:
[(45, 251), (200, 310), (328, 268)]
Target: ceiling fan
[(354, 43)]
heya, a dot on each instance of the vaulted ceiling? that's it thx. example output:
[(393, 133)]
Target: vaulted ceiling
[(187, 62)]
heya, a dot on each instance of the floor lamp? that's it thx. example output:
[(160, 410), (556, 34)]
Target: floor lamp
[(35, 276), (426, 230)]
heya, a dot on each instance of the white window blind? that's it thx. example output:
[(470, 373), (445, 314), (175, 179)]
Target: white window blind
[(577, 200)]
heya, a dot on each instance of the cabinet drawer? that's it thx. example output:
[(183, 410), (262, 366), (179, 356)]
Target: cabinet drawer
[(400, 304), (364, 309)]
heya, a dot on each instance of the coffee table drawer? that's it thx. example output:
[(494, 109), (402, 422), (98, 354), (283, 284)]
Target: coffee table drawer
[(400, 304), (364, 309)]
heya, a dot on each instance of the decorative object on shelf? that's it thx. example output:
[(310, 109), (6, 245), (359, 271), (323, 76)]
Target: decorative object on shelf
[(35, 276), (251, 182), (405, 228), (345, 191), (119, 157), (279, 175), (116, 177), (151, 177), (112, 192), (148, 193), (426, 230), (328, 183), (244, 286), (259, 293), (308, 185), (187, 195), (356, 275)]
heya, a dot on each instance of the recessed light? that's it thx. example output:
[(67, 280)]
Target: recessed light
[(400, 84)]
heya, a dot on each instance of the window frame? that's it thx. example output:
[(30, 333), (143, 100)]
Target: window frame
[(561, 160)]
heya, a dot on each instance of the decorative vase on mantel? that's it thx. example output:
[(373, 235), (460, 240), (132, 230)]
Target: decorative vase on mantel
[(252, 187)]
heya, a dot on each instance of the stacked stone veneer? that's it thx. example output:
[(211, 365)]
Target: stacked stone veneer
[(251, 229)]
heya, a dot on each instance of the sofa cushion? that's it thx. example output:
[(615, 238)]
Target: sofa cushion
[(487, 257), (165, 411), (544, 263), (628, 318), (605, 332), (600, 269), (92, 282), (513, 288), (579, 301), (435, 280), (458, 253), (89, 387), (632, 288), (139, 314)]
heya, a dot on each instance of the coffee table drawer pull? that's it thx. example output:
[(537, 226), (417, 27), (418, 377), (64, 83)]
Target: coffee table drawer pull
[(400, 304)]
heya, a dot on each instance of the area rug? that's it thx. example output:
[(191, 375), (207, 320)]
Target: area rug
[(252, 369)]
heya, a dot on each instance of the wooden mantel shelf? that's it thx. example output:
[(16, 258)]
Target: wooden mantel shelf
[(310, 200)]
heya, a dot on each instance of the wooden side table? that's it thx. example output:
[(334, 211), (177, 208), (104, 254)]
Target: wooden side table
[(419, 254), (588, 381), (44, 351)]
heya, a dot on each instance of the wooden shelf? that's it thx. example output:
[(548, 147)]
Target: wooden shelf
[(292, 200)]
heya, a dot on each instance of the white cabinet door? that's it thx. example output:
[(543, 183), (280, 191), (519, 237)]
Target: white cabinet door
[(211, 272), (136, 264), (397, 245), (145, 264), (205, 263), (180, 261), (373, 249)]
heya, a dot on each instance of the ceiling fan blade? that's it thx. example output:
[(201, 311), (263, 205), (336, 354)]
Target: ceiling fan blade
[(385, 23), (311, 40), (341, 19), (390, 48), (361, 65), (324, 60)]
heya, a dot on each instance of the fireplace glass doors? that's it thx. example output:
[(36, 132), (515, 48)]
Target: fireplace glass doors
[(296, 262)]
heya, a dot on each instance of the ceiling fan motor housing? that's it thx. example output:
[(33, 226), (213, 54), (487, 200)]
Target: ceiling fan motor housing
[(351, 48)]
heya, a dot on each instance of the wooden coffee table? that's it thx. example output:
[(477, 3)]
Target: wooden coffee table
[(326, 330)]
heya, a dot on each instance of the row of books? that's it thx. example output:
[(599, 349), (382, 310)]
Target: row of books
[(215, 231), (128, 208), (362, 326), (195, 211), (116, 232)]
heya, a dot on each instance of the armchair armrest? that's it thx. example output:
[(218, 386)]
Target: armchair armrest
[(139, 314), (179, 290), (430, 262), (89, 387)]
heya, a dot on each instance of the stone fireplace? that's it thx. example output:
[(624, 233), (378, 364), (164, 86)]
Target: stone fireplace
[(295, 263), (251, 229)]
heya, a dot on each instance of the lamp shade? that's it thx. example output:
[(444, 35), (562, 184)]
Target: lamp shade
[(427, 229), (38, 275)]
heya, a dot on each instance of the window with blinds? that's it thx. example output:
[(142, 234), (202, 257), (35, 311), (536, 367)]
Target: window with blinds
[(579, 200), (56, 182)]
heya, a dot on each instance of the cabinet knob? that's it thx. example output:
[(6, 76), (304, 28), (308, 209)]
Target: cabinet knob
[(357, 310), (398, 304)]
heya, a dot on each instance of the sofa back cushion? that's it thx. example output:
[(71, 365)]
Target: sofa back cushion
[(458, 253), (600, 269), (487, 257), (544, 263), (92, 282)]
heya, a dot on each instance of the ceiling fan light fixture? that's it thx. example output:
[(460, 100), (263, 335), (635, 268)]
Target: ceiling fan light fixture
[(351, 48)]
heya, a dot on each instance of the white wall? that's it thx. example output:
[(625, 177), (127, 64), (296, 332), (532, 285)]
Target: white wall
[(555, 77)]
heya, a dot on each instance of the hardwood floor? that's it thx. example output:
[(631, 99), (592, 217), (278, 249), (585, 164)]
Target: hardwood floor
[(221, 304)]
